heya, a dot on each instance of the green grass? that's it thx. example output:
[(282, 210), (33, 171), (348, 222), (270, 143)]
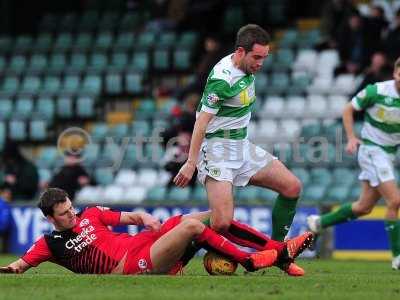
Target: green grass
[(325, 279)]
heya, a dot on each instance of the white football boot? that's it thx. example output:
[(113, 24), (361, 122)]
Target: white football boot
[(396, 263), (314, 223)]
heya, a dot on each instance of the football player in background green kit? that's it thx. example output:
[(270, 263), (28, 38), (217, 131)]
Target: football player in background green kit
[(223, 155), (380, 137)]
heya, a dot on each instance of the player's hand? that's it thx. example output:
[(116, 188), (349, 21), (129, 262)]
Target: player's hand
[(150, 222), (9, 270), (352, 145), (185, 174)]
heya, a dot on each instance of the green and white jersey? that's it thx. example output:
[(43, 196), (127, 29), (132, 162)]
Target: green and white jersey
[(381, 103), (229, 94)]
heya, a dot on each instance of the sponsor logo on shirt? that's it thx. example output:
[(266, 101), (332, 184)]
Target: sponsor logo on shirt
[(82, 240), (215, 172), (142, 263), (388, 101), (212, 99)]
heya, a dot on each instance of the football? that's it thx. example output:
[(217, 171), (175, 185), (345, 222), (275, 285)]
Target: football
[(216, 264)]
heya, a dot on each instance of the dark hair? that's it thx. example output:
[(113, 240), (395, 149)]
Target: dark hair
[(251, 34), (49, 198)]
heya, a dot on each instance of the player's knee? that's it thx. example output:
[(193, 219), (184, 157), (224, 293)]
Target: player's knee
[(193, 226), (220, 225), (293, 188), (394, 204)]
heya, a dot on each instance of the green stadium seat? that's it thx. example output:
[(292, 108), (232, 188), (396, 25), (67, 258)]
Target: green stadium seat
[(278, 84), (233, 19), (314, 193), (338, 193), (125, 41), (289, 39), (303, 175), (104, 176), (45, 108), (78, 62), (268, 63), (92, 84), (68, 23), (85, 107), (267, 195), (284, 60), (99, 132), (65, 107), (71, 84), (161, 59), (18, 64), (355, 192), (187, 40), (119, 131), (119, 60), (23, 42), (248, 193), (38, 62), (3, 63), (58, 62), (63, 42), (6, 108), (91, 154), (130, 21), (17, 130), (344, 176), (146, 109), (181, 59), (113, 83), (132, 156), (38, 130), (6, 44), (133, 84), (140, 61), (166, 39), (179, 194), (109, 21), (98, 62), (51, 85), (10, 84), (311, 130), (261, 83), (47, 157), (299, 84), (83, 41), (321, 176), (140, 128), (31, 85), (104, 40), (89, 21), (199, 194), (157, 193), (145, 40), (24, 107)]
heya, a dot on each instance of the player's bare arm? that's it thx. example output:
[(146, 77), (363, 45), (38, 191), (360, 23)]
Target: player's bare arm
[(17, 267), (186, 172), (348, 123), (140, 218)]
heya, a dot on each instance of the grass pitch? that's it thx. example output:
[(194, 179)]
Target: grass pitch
[(325, 279)]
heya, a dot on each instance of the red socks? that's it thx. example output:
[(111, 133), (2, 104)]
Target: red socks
[(219, 244)]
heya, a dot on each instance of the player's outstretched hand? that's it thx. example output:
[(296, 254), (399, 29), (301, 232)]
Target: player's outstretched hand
[(185, 174), (150, 222), (8, 269), (352, 145)]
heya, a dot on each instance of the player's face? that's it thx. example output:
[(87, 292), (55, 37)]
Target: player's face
[(396, 76), (254, 59), (64, 216)]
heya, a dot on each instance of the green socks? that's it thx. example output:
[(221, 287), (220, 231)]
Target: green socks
[(282, 216), (392, 228), (343, 214)]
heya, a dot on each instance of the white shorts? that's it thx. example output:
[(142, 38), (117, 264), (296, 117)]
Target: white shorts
[(376, 165), (235, 161)]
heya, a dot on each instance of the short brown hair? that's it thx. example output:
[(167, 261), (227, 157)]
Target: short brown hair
[(397, 63), (251, 34), (49, 198)]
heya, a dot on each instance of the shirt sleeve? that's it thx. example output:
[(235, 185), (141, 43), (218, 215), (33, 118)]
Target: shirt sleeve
[(109, 217), (214, 94), (38, 253), (365, 98)]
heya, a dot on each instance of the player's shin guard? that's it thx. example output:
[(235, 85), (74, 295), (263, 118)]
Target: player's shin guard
[(248, 236), (210, 240), (392, 228), (282, 216), (341, 215)]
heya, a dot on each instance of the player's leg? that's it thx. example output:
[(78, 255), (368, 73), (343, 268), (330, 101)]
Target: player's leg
[(348, 211), (169, 248), (220, 198), (277, 177), (391, 194)]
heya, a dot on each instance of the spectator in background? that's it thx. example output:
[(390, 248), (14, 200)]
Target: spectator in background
[(212, 53), (21, 176), (392, 41), (72, 176), (376, 26), (352, 46), (5, 220), (378, 70), (335, 14), (181, 130)]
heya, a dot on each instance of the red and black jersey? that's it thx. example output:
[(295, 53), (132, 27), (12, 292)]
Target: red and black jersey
[(89, 247)]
